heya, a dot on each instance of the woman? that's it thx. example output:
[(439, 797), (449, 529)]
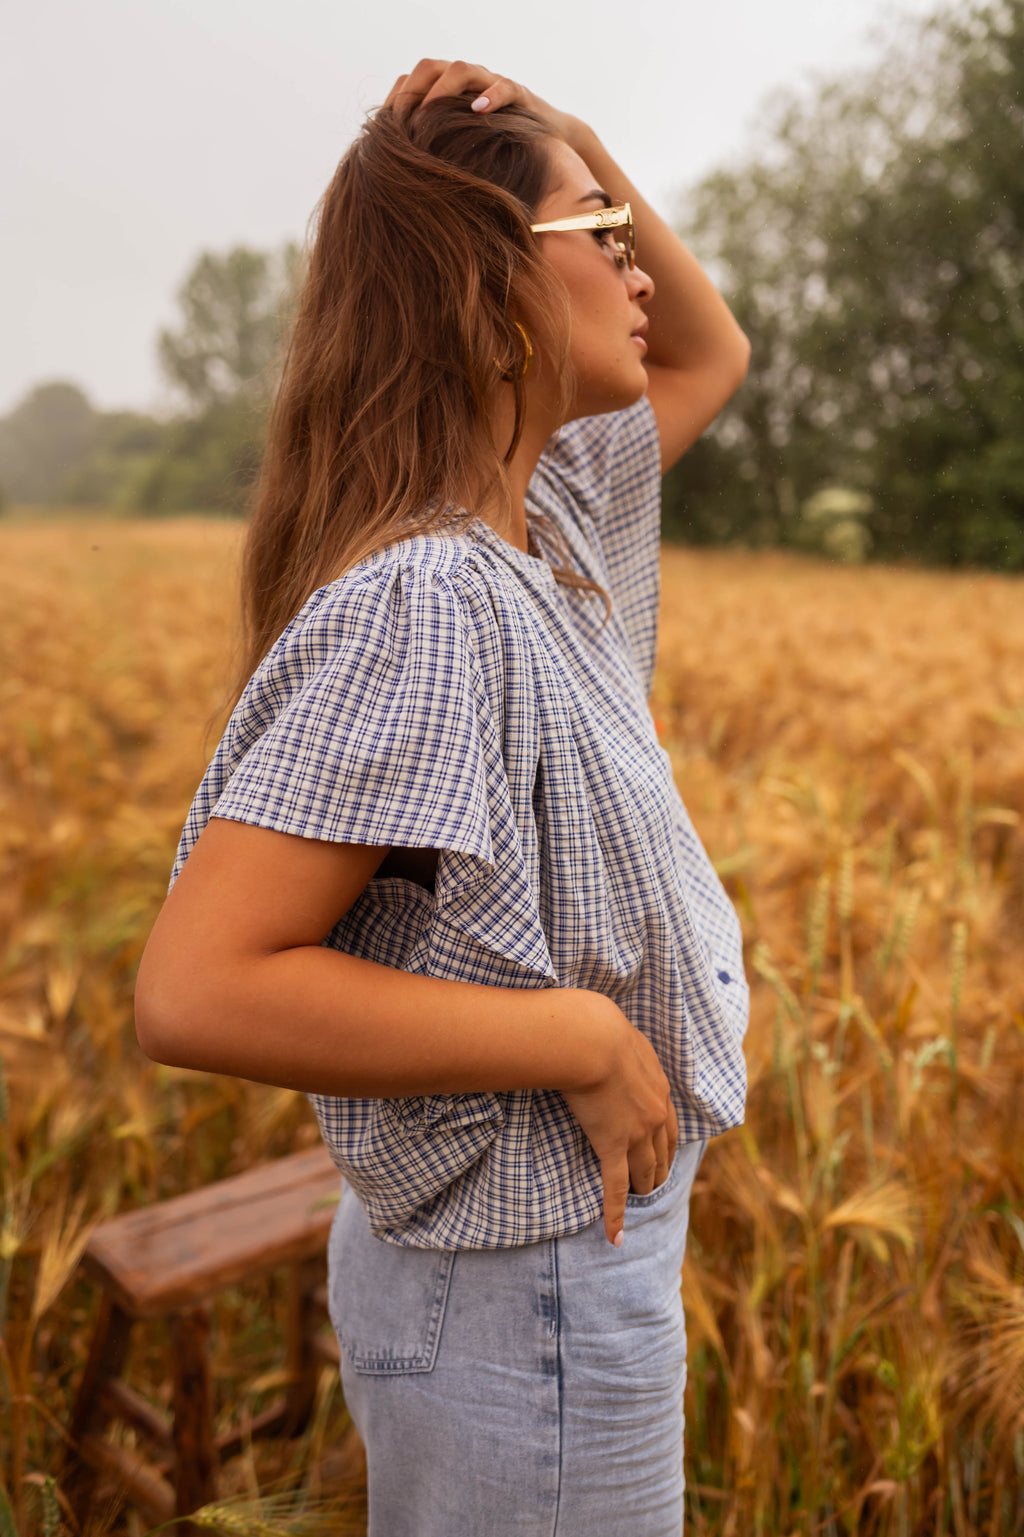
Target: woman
[(437, 875)]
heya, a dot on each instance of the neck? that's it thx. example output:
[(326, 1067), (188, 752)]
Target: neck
[(540, 424)]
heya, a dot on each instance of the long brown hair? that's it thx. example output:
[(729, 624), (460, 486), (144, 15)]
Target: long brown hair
[(420, 267)]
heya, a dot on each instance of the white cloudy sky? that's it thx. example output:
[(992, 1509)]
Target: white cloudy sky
[(135, 133)]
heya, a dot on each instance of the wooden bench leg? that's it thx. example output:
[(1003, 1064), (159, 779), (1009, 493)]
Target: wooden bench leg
[(197, 1461), (304, 1281), (105, 1363)]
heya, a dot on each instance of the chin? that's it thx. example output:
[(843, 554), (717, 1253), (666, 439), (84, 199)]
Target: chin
[(612, 397)]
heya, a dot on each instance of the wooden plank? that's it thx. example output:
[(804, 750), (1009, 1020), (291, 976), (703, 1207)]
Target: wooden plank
[(179, 1253), (325, 1348), (108, 1352)]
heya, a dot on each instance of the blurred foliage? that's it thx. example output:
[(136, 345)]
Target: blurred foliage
[(221, 360), (872, 247), (233, 311), (208, 461), (873, 250), (122, 451), (43, 440)]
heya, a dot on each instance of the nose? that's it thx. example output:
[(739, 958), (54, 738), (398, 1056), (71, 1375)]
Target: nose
[(641, 285)]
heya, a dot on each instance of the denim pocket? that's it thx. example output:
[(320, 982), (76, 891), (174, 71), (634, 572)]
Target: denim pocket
[(671, 1179), (659, 1192), (387, 1303)]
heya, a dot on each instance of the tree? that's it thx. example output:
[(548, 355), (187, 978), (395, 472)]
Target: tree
[(235, 309), (209, 462), (223, 359), (873, 250), (126, 446), (47, 436)]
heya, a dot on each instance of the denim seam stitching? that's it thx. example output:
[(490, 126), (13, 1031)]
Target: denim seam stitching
[(560, 1378)]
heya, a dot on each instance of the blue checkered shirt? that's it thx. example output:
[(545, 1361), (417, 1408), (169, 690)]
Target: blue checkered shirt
[(446, 693)]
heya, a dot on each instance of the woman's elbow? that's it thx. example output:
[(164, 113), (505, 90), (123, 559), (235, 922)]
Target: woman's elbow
[(730, 372), (154, 1023), (735, 361), (165, 1014)]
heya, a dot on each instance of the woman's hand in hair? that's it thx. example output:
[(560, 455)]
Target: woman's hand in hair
[(696, 353), (433, 78)]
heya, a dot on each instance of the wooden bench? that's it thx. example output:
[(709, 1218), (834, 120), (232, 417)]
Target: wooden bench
[(169, 1260)]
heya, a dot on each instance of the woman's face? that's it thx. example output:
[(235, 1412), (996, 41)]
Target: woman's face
[(607, 345)]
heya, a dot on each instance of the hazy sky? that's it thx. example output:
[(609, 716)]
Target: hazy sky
[(135, 133)]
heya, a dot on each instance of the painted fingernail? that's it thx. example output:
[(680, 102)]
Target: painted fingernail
[(481, 104), (617, 1240)]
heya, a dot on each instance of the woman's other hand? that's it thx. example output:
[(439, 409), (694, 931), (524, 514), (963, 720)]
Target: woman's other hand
[(433, 78), (625, 1109)]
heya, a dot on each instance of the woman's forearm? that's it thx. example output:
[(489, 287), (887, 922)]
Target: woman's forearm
[(691, 325), (326, 1022), (234, 980)]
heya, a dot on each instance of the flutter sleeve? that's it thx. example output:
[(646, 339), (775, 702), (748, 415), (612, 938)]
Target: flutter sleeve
[(368, 722)]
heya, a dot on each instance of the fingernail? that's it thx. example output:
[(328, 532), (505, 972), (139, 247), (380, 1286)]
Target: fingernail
[(481, 103), (617, 1240)]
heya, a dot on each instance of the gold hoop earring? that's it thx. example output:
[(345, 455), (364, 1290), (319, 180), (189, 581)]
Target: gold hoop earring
[(508, 375), (528, 351)]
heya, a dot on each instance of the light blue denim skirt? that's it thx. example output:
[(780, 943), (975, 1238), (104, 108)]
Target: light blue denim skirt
[(534, 1390)]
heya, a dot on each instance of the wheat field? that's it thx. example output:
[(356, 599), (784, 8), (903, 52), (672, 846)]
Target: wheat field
[(850, 744)]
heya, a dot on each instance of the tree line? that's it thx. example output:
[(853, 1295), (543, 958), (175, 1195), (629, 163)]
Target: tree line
[(873, 250), (221, 360), (871, 244)]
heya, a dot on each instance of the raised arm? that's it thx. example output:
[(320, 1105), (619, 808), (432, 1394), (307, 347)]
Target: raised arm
[(697, 355)]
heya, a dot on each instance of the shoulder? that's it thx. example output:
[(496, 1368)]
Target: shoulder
[(421, 618), (372, 720), (599, 484), (416, 588), (425, 570)]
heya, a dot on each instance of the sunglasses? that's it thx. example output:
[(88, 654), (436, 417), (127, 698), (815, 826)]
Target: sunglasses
[(619, 217)]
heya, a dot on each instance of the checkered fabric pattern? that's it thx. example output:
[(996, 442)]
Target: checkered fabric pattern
[(447, 693)]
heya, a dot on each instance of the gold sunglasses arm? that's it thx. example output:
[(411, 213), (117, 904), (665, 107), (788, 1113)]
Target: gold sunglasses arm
[(603, 218)]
